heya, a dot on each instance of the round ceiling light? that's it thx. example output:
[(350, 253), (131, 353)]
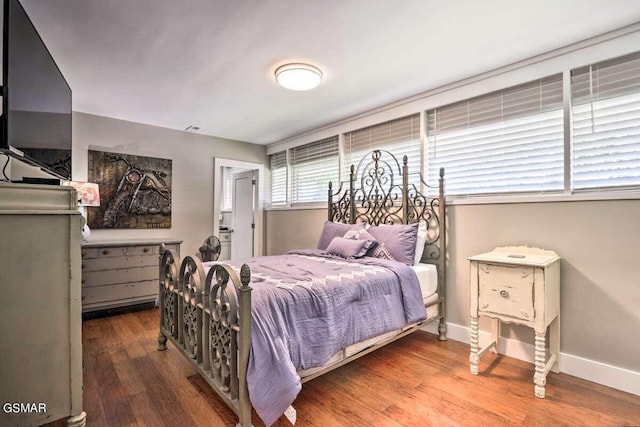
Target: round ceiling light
[(298, 76)]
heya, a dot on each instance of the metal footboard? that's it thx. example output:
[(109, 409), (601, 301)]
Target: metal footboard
[(208, 318)]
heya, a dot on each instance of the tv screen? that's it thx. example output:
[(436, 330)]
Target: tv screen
[(36, 97)]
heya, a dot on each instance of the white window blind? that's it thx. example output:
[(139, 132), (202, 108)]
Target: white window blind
[(227, 196), (605, 101), (227, 187), (279, 179), (400, 137), (312, 167), (503, 142)]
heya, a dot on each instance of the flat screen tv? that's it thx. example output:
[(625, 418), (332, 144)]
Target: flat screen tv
[(36, 99)]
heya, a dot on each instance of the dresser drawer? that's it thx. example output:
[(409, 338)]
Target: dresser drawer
[(506, 290), (125, 251), (225, 236), (123, 275), (123, 291), (89, 253), (97, 264)]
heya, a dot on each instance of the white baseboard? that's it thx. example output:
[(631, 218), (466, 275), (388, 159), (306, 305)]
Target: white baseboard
[(590, 370)]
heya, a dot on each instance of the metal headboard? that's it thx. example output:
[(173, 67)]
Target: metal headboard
[(379, 192)]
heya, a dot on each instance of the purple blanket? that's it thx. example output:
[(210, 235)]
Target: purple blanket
[(307, 305)]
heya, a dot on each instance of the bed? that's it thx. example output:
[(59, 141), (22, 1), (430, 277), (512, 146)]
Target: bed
[(246, 325)]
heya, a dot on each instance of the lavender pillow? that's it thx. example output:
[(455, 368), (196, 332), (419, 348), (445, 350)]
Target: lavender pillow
[(395, 242), (359, 232), (331, 230), (348, 248)]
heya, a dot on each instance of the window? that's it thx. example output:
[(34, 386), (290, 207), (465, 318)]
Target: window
[(578, 131), (605, 100), (507, 141), (400, 137), (279, 179), (228, 175), (312, 167), (227, 185)]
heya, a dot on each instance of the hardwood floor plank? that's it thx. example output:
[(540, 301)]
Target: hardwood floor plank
[(416, 381), (164, 400), (145, 411), (122, 326), (176, 371), (349, 406), (127, 373), (112, 395), (223, 414), (91, 401)]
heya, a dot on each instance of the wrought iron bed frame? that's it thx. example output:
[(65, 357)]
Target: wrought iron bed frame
[(208, 318)]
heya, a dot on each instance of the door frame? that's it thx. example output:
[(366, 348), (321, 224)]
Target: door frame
[(258, 168)]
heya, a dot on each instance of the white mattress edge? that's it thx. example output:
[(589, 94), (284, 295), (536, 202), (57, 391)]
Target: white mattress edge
[(428, 278)]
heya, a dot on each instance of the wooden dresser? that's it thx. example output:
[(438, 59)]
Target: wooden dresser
[(118, 273), (40, 318)]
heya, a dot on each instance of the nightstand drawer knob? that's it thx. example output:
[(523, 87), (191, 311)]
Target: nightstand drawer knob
[(106, 252), (504, 294)]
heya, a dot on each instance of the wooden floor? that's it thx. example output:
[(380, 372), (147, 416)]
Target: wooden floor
[(416, 381)]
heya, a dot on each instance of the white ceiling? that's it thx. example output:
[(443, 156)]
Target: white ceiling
[(210, 63)]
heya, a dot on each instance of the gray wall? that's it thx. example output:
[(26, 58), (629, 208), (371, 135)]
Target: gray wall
[(192, 155), (597, 240)]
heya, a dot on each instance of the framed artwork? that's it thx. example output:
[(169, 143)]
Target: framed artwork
[(135, 191)]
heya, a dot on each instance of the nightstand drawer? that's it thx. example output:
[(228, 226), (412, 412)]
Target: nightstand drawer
[(506, 290), (225, 236)]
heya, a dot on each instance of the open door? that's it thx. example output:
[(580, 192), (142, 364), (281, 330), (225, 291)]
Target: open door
[(242, 240)]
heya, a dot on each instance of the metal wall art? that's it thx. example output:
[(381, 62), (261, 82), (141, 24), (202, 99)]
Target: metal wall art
[(135, 191)]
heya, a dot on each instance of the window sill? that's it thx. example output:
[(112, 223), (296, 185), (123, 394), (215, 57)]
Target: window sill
[(322, 205), (544, 198), (502, 199)]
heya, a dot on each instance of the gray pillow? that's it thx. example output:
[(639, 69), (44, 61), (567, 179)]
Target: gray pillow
[(331, 230), (395, 242), (348, 248), (359, 232)]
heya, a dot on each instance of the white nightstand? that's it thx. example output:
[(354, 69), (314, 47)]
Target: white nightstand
[(225, 245), (519, 285)]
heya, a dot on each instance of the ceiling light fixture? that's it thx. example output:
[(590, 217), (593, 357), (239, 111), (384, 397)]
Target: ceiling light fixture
[(298, 76)]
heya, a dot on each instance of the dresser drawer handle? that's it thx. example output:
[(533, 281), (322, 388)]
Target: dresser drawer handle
[(504, 294), (145, 250), (105, 252)]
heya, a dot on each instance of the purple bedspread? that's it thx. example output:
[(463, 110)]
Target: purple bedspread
[(307, 305)]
